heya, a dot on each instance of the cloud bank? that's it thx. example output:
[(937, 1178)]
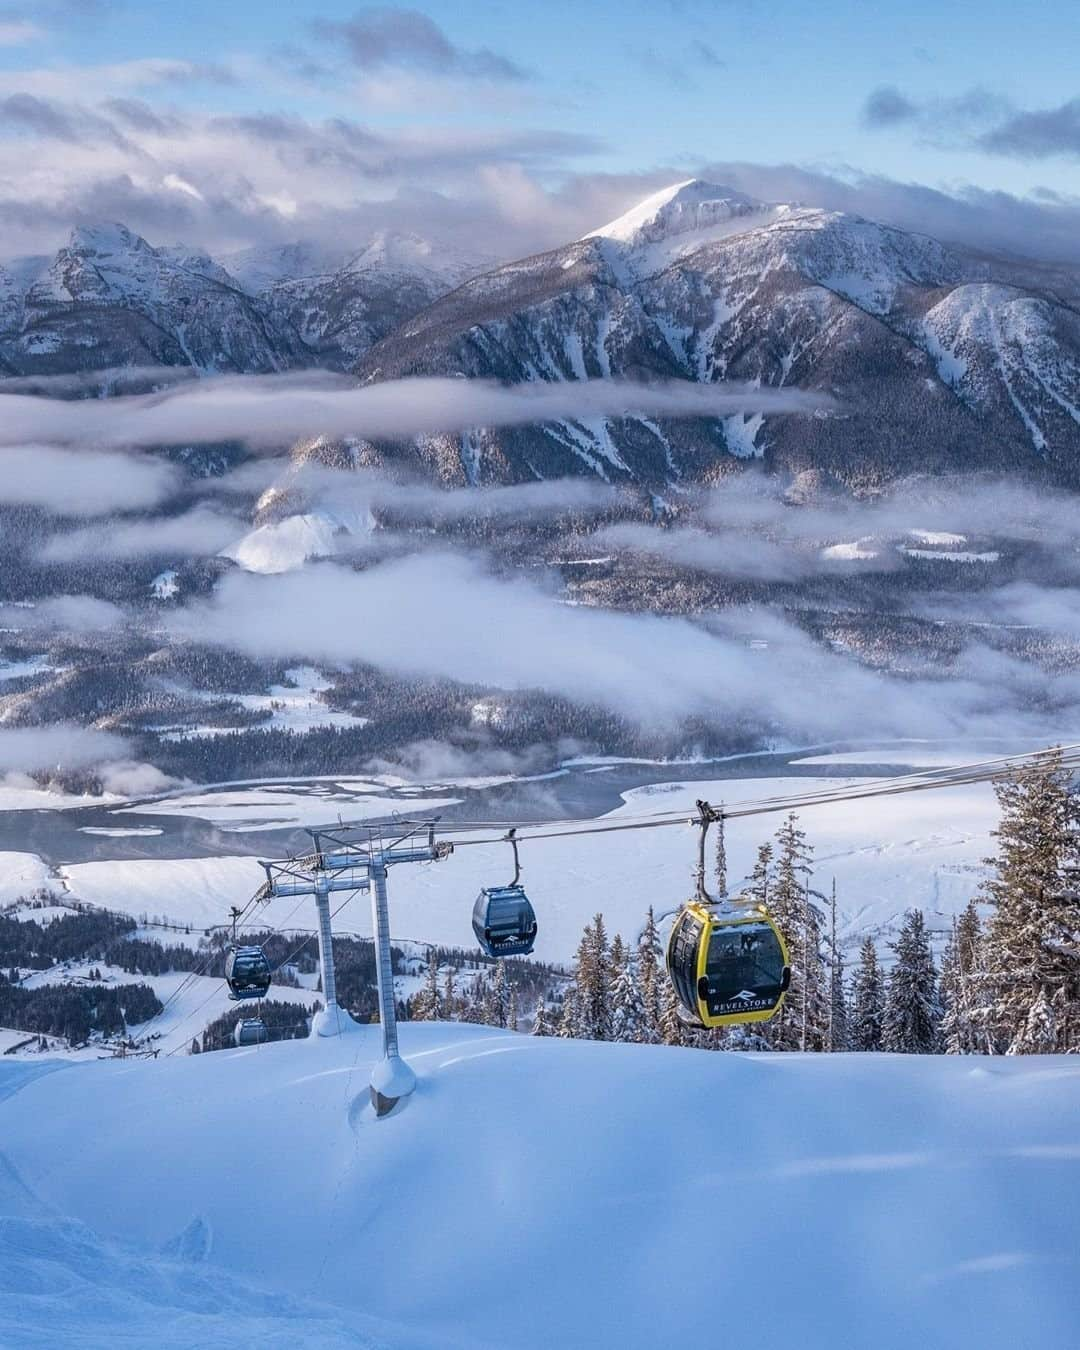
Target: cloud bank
[(268, 411), (444, 615)]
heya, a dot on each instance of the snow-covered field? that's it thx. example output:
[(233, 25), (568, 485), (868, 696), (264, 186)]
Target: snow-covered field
[(537, 1194), (281, 805), (296, 706)]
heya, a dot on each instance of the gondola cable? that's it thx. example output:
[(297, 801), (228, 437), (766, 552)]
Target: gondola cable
[(707, 998)]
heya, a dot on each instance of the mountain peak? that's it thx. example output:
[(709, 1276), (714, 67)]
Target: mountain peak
[(105, 237), (681, 208), (391, 249)]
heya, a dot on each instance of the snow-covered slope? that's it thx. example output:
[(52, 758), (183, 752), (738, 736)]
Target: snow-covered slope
[(109, 298), (540, 1193)]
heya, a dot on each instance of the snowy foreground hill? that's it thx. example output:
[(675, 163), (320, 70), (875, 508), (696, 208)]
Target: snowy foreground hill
[(537, 1194)]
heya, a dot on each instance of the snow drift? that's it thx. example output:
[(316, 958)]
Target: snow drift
[(539, 1193)]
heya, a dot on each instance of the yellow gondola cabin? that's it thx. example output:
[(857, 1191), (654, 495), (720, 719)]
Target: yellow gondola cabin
[(728, 963)]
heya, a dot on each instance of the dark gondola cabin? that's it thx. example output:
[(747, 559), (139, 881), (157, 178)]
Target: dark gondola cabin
[(504, 921), (250, 1031), (728, 964), (247, 972)]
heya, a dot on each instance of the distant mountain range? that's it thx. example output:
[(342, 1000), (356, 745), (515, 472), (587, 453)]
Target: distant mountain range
[(941, 357)]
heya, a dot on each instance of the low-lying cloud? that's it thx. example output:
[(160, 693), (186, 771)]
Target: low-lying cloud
[(82, 482), (62, 746), (443, 615), (197, 533), (266, 411)]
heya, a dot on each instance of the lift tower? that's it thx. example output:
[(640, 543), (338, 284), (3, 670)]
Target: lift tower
[(355, 858)]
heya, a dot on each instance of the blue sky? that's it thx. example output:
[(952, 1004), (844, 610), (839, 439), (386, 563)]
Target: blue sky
[(579, 104)]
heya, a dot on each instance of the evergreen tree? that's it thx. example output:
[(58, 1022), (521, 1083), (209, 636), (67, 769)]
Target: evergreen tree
[(512, 1012), (963, 987), (568, 1018), (542, 1025), (804, 1018), (497, 997), (1039, 1034), (449, 1010), (628, 1006), (761, 876), (672, 1029), (867, 1000), (425, 1006), (1032, 958), (650, 977), (721, 858), (912, 1017), (838, 1028), (592, 980), (472, 1006)]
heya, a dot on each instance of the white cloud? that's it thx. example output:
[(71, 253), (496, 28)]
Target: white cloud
[(18, 32), (272, 411)]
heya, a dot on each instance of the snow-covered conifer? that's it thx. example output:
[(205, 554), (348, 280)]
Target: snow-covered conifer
[(912, 1018), (542, 1024), (449, 1010), (628, 1007), (650, 976), (963, 987), (721, 858), (868, 1000), (1031, 955), (804, 1019), (592, 979), (425, 1006), (761, 876), (568, 1018)]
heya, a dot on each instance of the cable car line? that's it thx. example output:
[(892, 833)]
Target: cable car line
[(727, 959), (287, 961)]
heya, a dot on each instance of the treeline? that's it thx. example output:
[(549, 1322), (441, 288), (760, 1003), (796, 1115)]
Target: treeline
[(84, 935), (494, 996), (75, 1012)]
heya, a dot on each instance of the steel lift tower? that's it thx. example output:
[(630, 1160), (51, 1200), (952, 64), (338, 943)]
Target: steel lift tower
[(357, 858)]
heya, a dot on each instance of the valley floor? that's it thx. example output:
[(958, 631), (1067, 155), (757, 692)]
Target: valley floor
[(540, 1193)]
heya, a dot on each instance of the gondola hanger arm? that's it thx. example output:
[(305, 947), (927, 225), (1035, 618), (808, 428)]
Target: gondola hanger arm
[(511, 839)]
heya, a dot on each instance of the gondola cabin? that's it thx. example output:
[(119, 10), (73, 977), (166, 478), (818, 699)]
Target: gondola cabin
[(250, 1031), (728, 964), (247, 972), (504, 921)]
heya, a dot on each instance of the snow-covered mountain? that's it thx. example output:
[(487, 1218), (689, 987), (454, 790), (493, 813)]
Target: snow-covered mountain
[(941, 358), (339, 314), (109, 298)]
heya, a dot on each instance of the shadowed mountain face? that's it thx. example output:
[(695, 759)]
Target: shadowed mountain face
[(941, 358)]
